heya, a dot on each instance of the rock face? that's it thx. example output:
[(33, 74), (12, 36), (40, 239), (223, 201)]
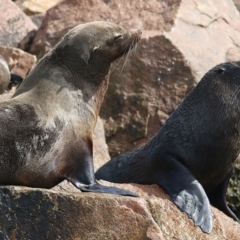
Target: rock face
[(46, 214), (32, 7), (100, 147), (19, 62), (207, 33), (15, 25), (142, 95), (136, 14)]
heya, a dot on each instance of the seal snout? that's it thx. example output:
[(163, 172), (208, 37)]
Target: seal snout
[(137, 33)]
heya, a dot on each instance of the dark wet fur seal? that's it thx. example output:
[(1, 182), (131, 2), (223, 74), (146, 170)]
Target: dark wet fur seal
[(195, 150), (47, 127)]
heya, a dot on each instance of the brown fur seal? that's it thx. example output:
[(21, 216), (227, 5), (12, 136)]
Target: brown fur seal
[(4, 75), (56, 108), (193, 154)]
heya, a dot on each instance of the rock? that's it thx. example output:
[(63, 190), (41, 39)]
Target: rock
[(4, 75), (237, 4), (14, 24), (32, 7), (37, 19), (143, 93), (233, 192), (100, 148), (28, 213), (19, 62), (154, 15), (207, 33)]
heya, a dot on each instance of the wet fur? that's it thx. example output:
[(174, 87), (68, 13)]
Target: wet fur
[(196, 148)]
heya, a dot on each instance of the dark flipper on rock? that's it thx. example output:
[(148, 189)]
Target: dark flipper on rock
[(186, 192), (105, 189), (217, 198), (83, 178)]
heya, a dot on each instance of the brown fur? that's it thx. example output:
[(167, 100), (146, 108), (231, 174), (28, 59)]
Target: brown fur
[(56, 107)]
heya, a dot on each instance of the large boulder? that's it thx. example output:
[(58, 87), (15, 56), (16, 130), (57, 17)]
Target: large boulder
[(33, 7), (143, 92), (151, 15), (19, 62), (28, 213), (15, 25), (206, 33)]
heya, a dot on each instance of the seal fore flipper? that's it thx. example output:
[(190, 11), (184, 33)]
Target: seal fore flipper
[(186, 192), (105, 189), (217, 198), (83, 178)]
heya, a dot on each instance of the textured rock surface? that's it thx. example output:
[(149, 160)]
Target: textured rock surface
[(207, 33), (19, 62), (233, 193), (32, 7), (14, 24), (154, 15), (237, 4), (142, 94), (100, 148), (47, 214)]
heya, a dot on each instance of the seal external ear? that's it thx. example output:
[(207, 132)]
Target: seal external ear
[(186, 192), (217, 197)]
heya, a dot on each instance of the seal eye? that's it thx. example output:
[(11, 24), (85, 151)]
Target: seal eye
[(118, 37), (95, 48)]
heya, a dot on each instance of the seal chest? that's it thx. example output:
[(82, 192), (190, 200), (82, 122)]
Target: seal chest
[(47, 127), (193, 154)]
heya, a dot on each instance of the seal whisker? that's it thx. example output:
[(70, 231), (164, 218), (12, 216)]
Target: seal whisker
[(135, 48), (125, 61), (234, 97), (116, 64)]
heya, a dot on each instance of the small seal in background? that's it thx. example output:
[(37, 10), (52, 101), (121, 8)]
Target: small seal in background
[(4, 75), (194, 152), (47, 127)]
